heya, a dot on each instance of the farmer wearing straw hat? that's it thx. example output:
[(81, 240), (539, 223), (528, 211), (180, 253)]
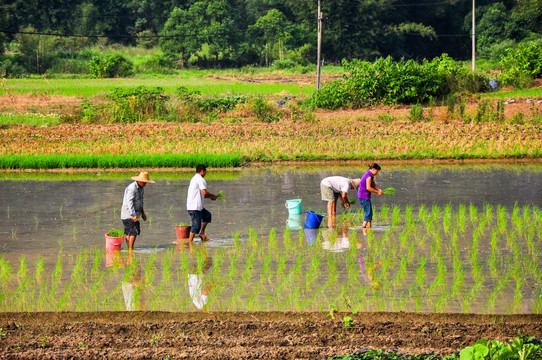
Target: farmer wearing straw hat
[(132, 207), (334, 187)]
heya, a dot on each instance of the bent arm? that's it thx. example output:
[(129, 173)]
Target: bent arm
[(208, 195), (370, 188)]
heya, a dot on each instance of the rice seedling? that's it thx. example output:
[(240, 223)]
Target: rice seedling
[(220, 196), (389, 191), (36, 220), (473, 213), (13, 233), (395, 216)]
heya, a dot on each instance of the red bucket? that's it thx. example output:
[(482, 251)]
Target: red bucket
[(182, 232), (112, 243)]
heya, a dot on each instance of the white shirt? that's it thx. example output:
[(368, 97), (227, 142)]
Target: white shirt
[(194, 200), (338, 184)]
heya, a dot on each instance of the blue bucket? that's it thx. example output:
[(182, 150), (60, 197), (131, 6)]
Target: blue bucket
[(293, 206), (313, 220)]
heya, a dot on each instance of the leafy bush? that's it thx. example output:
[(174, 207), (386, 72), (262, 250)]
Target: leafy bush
[(522, 64), (109, 66), (11, 69), (284, 64), (387, 81)]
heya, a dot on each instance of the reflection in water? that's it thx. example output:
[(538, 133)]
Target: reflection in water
[(199, 263), (133, 284), (367, 273), (336, 239)]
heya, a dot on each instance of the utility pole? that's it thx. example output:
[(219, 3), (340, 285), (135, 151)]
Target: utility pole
[(473, 35), (318, 67)]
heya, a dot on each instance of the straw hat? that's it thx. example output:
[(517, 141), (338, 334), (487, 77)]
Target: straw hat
[(143, 177), (356, 182)]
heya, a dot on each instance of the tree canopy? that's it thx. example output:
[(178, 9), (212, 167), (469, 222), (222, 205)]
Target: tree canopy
[(256, 32)]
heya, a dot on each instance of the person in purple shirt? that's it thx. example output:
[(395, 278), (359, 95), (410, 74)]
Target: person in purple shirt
[(366, 187)]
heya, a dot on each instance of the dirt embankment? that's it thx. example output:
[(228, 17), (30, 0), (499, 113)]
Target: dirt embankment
[(159, 335)]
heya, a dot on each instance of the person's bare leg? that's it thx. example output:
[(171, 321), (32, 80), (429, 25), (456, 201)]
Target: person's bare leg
[(332, 208), (202, 232), (130, 240), (191, 237)]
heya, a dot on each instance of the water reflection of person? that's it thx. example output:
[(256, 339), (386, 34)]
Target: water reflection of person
[(132, 284), (366, 273), (335, 239), (200, 262)]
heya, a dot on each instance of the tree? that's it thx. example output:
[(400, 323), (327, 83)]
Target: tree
[(272, 31)]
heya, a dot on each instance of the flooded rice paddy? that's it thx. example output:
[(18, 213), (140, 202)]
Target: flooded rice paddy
[(461, 238)]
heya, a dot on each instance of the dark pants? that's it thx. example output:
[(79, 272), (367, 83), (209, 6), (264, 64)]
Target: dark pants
[(131, 227), (197, 218)]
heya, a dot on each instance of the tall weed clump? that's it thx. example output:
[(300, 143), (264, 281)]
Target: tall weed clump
[(390, 82), (137, 104), (126, 105)]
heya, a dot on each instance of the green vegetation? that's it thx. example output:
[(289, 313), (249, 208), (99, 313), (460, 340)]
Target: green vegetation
[(522, 347), (87, 36), (117, 161), (389, 191), (418, 256), (115, 233), (216, 174)]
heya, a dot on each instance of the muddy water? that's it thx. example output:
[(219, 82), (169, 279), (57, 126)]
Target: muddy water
[(43, 217)]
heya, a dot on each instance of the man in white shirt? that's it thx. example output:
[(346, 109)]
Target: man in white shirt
[(334, 187), (197, 191)]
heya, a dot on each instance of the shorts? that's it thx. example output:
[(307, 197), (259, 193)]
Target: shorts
[(131, 227), (327, 193), (197, 218), (367, 208)]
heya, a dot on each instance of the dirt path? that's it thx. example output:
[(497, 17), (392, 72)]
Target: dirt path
[(159, 335)]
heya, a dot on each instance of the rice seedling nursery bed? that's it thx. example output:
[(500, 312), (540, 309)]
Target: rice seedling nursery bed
[(412, 285)]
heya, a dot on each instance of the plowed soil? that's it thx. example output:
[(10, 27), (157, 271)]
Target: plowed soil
[(209, 335)]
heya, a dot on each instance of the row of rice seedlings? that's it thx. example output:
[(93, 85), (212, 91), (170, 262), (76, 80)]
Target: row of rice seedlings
[(58, 161)]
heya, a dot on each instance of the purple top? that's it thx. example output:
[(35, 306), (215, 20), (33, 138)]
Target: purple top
[(363, 193)]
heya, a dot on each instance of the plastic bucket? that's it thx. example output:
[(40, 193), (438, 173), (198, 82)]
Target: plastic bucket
[(112, 243), (182, 232), (313, 220), (293, 206), (295, 222)]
